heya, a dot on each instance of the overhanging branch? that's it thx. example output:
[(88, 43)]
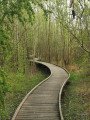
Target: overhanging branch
[(82, 46)]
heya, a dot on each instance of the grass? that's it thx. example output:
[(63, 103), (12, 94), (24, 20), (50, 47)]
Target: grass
[(20, 85), (76, 98)]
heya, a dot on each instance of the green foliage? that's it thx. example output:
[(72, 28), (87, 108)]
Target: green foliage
[(75, 101), (3, 38), (19, 77), (23, 28), (20, 86), (72, 76), (3, 91), (11, 8)]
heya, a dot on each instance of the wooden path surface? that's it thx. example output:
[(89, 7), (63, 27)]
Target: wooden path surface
[(43, 102)]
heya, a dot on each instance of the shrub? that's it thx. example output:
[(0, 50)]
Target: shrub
[(3, 91)]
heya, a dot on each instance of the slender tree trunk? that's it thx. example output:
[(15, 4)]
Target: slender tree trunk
[(49, 34)]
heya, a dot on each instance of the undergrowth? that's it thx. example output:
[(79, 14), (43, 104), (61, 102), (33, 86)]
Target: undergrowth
[(19, 86), (76, 96)]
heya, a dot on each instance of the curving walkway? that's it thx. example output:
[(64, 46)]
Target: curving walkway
[(43, 102)]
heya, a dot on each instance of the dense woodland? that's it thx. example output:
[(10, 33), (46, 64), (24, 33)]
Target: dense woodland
[(55, 31)]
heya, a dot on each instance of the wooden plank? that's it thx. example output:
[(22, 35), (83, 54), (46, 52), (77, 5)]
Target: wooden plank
[(43, 102)]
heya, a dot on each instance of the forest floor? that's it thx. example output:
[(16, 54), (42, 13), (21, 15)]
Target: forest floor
[(20, 85), (76, 97)]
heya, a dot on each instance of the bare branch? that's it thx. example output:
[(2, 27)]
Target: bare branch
[(80, 4), (71, 3), (81, 44)]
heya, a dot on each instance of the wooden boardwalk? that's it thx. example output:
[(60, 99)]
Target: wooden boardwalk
[(43, 102)]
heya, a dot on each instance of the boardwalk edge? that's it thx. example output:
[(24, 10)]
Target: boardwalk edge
[(25, 98), (60, 94)]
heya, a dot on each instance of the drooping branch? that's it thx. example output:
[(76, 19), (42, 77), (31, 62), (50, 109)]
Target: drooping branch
[(65, 26), (81, 44), (80, 4), (83, 8)]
